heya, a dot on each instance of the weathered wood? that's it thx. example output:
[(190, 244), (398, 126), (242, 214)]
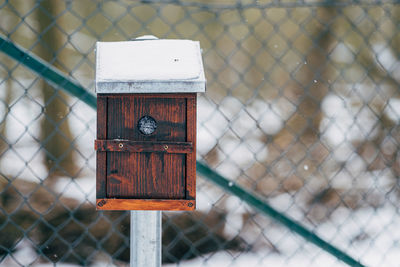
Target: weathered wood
[(191, 158), (125, 112), (146, 175), (136, 168), (143, 146), (145, 204), (101, 157)]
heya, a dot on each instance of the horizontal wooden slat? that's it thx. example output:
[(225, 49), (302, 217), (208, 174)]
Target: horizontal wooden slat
[(143, 146), (145, 204)]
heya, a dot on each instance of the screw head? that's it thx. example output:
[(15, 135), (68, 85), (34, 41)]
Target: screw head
[(190, 204), (165, 147)]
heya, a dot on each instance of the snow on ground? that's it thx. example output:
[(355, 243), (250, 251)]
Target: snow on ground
[(380, 248), (225, 259), (393, 110), (25, 255)]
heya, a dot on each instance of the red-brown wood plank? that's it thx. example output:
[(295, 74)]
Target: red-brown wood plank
[(127, 110), (191, 157), (144, 204), (146, 175), (143, 146), (142, 173), (101, 157)]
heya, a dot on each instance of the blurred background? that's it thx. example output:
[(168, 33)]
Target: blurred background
[(302, 109)]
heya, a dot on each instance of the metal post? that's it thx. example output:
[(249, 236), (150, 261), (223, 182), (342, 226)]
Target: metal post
[(145, 239)]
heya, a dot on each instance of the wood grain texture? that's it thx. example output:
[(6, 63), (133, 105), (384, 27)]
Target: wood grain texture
[(144, 204), (101, 157), (146, 172), (143, 146), (126, 111), (146, 175), (191, 158)]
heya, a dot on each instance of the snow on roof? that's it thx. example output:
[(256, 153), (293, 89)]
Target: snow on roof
[(149, 66)]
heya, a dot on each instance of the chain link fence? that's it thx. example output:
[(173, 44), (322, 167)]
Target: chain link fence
[(302, 109)]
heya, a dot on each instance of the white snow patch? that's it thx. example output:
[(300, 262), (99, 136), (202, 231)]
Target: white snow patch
[(234, 217), (81, 189), (384, 55), (230, 107), (148, 60), (267, 115), (271, 123), (342, 54), (346, 121), (393, 109)]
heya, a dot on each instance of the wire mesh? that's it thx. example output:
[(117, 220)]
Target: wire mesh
[(302, 108)]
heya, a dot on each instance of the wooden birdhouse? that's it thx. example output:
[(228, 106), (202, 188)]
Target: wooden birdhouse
[(146, 124)]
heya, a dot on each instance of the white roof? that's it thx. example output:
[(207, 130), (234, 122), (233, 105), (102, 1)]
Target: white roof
[(149, 66)]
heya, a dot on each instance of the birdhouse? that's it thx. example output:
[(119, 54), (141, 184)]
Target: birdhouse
[(146, 124)]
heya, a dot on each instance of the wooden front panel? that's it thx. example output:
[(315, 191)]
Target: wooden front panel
[(146, 175), (146, 171)]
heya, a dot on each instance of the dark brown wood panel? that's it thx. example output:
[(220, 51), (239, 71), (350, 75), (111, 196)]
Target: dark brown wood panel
[(146, 175), (146, 172), (169, 114), (191, 158), (101, 157)]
